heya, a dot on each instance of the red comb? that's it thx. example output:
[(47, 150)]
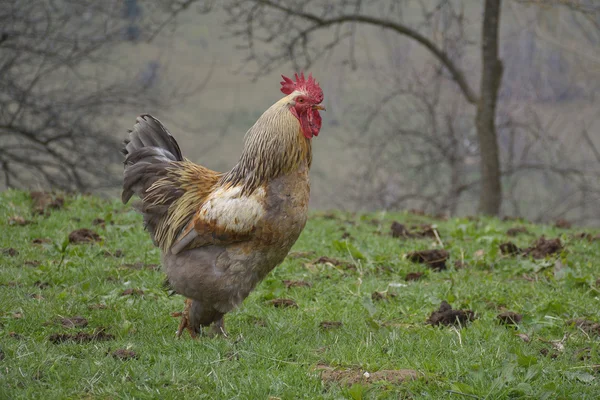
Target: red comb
[(309, 85)]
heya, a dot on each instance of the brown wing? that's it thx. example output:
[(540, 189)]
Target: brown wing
[(227, 216)]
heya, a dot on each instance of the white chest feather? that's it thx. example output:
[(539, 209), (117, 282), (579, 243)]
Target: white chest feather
[(234, 211)]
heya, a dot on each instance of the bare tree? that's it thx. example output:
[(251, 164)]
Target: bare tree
[(61, 91), (433, 141)]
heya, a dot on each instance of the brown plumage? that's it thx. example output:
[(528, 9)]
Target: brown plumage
[(222, 233)]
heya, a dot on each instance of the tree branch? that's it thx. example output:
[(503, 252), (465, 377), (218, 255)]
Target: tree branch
[(321, 23)]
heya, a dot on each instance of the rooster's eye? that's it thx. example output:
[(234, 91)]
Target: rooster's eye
[(301, 100)]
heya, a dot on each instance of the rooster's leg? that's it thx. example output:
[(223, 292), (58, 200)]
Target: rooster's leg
[(218, 327), (185, 321)]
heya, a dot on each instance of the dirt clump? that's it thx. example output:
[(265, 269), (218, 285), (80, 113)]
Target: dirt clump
[(74, 322), (459, 264), (434, 259), (290, 284), (417, 231), (41, 285), (517, 231), (283, 303), (83, 235), (543, 247), (117, 254), (124, 354), (563, 224), (350, 377), (509, 248), (509, 318), (98, 335), (100, 222), (32, 263), (335, 262), (585, 325), (587, 236), (132, 292), (41, 241), (18, 220), (445, 315), (140, 265), (413, 276), (379, 296), (10, 251), (43, 202), (540, 249), (330, 324)]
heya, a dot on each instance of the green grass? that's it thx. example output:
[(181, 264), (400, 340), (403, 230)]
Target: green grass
[(275, 351)]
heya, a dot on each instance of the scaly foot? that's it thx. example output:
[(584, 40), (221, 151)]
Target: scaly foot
[(185, 321)]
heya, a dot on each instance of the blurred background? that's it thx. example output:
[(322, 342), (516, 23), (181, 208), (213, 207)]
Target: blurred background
[(447, 106)]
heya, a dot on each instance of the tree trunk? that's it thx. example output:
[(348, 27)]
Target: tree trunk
[(490, 197)]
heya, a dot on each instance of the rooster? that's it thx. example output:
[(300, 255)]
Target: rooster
[(220, 234)]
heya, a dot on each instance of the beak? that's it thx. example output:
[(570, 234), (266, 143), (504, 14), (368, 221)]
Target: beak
[(318, 107)]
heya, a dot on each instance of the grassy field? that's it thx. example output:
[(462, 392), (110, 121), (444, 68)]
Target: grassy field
[(92, 320)]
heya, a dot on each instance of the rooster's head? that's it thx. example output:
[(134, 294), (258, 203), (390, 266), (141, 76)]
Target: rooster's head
[(305, 97)]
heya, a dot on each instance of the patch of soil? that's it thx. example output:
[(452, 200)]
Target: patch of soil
[(99, 335), (36, 296), (346, 235), (509, 318), (41, 241), (290, 284), (434, 259), (587, 236), (132, 292), (301, 254), (509, 248), (379, 296), (512, 218), (117, 254), (124, 354), (99, 221), (563, 224), (330, 324), (140, 265), (335, 262), (18, 220), (83, 235), (350, 377), (283, 303), (420, 231), (459, 264), (32, 263), (543, 247), (15, 336), (413, 276), (585, 325), (10, 251), (41, 285), (74, 322), (545, 352), (445, 315), (45, 201), (517, 231)]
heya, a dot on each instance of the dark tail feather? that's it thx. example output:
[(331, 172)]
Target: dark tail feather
[(149, 151)]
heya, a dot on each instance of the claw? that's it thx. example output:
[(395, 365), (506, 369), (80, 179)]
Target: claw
[(185, 321)]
